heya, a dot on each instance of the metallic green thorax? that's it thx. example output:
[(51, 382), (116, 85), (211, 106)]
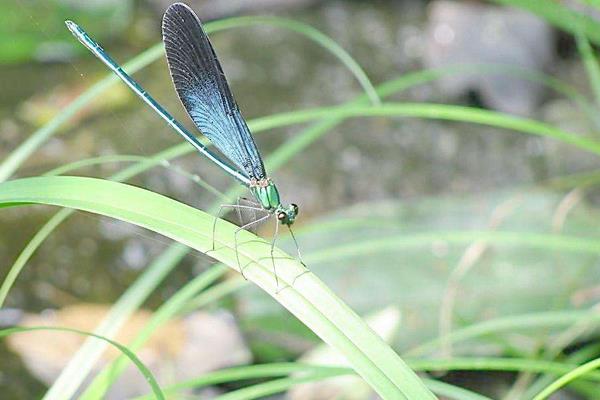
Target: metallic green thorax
[(268, 197)]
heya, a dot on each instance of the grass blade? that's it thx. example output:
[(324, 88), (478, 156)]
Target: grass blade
[(569, 377), (432, 111), (550, 319), (128, 353), (167, 311), (83, 361), (306, 297), (313, 34)]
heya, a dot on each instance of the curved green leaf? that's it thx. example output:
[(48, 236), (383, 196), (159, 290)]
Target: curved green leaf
[(139, 364), (312, 34), (568, 377), (432, 111), (303, 294)]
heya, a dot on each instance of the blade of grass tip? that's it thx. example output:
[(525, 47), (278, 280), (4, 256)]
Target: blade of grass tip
[(569, 377), (164, 313), (136, 361), (313, 34), (82, 362), (310, 300), (590, 62)]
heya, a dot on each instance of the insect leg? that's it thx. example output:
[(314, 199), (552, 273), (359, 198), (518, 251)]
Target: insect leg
[(235, 236), (214, 228), (272, 251), (250, 203), (299, 255)]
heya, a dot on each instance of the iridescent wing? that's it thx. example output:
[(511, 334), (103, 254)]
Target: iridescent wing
[(203, 89)]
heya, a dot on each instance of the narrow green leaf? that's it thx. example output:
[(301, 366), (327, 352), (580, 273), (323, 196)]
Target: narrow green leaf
[(313, 34), (550, 319), (433, 111), (140, 365), (80, 364), (302, 293), (569, 377), (168, 310)]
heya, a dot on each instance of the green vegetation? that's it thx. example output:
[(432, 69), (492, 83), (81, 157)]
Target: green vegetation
[(304, 295)]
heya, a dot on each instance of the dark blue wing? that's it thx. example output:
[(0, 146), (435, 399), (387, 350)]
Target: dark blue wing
[(203, 89)]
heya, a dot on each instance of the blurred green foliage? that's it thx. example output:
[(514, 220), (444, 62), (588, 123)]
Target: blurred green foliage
[(32, 30)]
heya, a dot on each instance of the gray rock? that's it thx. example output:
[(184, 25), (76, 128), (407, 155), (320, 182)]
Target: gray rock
[(474, 33)]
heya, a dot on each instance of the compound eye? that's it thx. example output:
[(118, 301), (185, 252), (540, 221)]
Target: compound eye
[(281, 216), (295, 208)]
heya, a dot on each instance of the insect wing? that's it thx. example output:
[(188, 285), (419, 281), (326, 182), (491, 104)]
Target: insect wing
[(202, 88)]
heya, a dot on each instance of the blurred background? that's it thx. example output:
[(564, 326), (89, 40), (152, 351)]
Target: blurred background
[(390, 207)]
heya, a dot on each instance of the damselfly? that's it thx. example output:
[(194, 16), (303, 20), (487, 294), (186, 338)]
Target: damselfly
[(205, 94)]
